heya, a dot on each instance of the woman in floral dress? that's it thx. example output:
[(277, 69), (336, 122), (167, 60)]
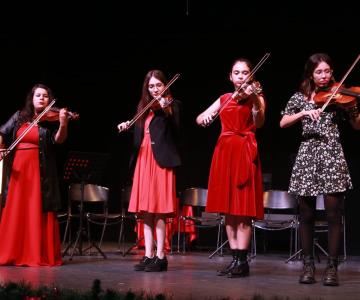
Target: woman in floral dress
[(320, 167)]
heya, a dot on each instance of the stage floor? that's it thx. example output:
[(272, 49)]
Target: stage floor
[(191, 276)]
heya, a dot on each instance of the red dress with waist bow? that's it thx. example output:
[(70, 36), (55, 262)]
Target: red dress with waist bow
[(29, 236), (235, 181)]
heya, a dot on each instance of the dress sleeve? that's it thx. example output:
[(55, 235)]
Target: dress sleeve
[(294, 105), (7, 129)]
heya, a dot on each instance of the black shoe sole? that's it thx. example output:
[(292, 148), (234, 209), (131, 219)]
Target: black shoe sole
[(307, 281), (230, 275), (159, 270), (330, 284)]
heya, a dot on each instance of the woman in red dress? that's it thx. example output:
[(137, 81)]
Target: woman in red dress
[(29, 226), (153, 194), (235, 181)]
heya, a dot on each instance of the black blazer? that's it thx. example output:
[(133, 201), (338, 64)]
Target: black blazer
[(50, 190), (165, 138)]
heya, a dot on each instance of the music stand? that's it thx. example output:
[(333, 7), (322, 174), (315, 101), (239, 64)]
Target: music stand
[(83, 167)]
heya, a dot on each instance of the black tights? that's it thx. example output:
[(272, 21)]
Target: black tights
[(333, 208)]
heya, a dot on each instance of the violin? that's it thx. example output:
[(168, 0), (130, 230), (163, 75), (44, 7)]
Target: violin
[(241, 95), (344, 97), (52, 115)]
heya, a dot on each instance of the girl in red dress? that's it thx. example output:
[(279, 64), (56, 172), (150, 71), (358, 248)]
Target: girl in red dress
[(235, 182), (153, 194), (29, 226)]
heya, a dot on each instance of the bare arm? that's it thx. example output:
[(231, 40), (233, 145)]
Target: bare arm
[(258, 110), (288, 120), (206, 116), (62, 131)]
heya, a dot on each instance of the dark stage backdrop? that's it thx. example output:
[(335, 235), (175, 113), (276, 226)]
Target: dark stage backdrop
[(95, 56)]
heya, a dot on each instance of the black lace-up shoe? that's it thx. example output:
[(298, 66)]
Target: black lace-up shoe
[(240, 270), (226, 270), (143, 263), (157, 265)]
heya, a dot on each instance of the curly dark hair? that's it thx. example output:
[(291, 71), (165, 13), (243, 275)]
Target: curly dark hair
[(27, 113)]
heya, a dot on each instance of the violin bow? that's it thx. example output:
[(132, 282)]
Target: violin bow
[(340, 84), (21, 136), (238, 89), (139, 114)]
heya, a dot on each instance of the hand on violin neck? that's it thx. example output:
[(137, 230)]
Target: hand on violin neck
[(64, 116), (248, 91), (164, 102)]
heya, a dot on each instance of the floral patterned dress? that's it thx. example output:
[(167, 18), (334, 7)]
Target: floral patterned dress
[(320, 166)]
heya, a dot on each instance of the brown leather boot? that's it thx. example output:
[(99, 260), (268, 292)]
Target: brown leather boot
[(308, 274), (331, 276)]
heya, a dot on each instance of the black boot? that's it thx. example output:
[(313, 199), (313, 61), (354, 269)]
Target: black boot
[(143, 263), (241, 268), (331, 276), (157, 265), (308, 273), (226, 270)]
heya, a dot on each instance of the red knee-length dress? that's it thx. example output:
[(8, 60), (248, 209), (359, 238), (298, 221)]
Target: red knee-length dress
[(154, 188), (235, 180), (29, 237)]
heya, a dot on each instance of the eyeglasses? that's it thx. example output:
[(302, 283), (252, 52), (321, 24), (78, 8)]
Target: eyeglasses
[(326, 72)]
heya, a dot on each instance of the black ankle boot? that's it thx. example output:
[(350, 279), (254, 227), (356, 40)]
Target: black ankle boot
[(157, 265), (143, 263), (241, 268), (308, 273), (226, 270), (331, 276)]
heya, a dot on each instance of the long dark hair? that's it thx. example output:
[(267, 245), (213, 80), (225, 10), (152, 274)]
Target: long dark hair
[(28, 111), (307, 85), (145, 95)]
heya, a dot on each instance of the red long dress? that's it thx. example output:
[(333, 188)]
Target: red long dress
[(154, 188), (235, 181), (29, 237)]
